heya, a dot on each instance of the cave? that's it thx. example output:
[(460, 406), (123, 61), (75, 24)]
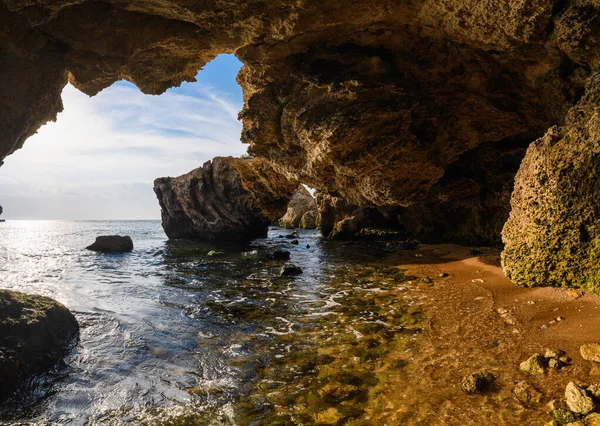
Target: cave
[(419, 112), (444, 121)]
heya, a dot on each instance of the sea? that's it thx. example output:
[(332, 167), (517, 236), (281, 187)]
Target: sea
[(188, 333)]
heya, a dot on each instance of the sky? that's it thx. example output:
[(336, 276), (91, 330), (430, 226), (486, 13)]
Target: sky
[(101, 156)]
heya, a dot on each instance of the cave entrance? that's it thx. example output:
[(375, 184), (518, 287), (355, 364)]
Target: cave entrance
[(101, 156)]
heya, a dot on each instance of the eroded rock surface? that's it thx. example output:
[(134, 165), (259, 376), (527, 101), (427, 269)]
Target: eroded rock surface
[(417, 110), (301, 211), (225, 199), (35, 332), (553, 234)]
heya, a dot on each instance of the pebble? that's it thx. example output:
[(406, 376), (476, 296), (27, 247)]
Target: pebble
[(477, 382), (590, 352), (526, 393), (578, 399), (535, 364)]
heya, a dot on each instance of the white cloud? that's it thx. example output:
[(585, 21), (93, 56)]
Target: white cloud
[(101, 156)]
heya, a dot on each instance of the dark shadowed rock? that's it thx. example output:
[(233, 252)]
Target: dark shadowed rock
[(290, 270), (227, 198), (35, 332), (281, 255), (301, 211), (477, 383), (112, 244)]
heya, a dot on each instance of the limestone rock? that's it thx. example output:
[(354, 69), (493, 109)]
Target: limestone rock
[(35, 332), (477, 382), (590, 352), (225, 199), (592, 419), (552, 237), (112, 244), (301, 204), (526, 393), (535, 364), (309, 219), (578, 399)]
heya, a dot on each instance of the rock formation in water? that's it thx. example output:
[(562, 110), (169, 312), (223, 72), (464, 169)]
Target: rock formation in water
[(35, 332), (112, 244), (418, 110), (225, 199), (301, 211)]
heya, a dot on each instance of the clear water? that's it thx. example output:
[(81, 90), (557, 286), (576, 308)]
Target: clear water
[(171, 335)]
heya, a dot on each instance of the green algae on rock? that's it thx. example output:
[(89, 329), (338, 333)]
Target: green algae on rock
[(535, 364), (35, 332), (552, 237)]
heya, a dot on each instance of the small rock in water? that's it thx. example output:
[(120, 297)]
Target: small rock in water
[(281, 255), (590, 352), (295, 242), (308, 246), (250, 254), (290, 269), (215, 253), (292, 236), (526, 393), (535, 364), (112, 244), (477, 383), (578, 399)]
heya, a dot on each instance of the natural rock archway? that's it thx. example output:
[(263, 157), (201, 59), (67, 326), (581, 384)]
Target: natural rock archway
[(414, 108)]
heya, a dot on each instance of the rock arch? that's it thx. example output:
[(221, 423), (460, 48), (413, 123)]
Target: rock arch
[(415, 107)]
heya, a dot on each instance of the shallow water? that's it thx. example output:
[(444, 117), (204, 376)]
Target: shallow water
[(172, 335)]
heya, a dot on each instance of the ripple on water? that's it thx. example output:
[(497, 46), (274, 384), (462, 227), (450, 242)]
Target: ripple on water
[(170, 335)]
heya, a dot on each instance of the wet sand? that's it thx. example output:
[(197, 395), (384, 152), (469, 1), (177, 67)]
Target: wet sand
[(479, 320)]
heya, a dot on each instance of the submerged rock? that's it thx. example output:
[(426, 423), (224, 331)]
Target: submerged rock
[(112, 244), (535, 364), (290, 269), (227, 198), (590, 352), (300, 210), (563, 416), (35, 332), (578, 399), (477, 383), (526, 393)]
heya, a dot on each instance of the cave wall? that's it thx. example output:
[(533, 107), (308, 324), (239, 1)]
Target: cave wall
[(411, 106)]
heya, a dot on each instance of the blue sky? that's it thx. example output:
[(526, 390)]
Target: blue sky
[(99, 159)]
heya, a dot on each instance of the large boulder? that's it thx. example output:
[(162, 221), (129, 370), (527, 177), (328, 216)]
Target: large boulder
[(228, 198), (112, 244), (302, 204), (552, 237), (35, 333)]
